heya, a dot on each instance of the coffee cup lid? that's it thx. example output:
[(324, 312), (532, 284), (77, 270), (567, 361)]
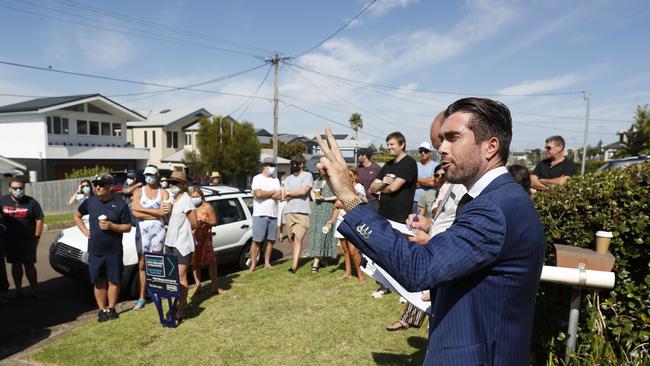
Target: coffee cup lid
[(605, 234)]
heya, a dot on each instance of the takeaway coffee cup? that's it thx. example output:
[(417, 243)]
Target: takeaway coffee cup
[(603, 238), (102, 217)]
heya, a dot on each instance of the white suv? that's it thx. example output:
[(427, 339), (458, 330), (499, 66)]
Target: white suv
[(231, 238)]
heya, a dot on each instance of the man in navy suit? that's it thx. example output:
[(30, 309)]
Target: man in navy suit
[(486, 267)]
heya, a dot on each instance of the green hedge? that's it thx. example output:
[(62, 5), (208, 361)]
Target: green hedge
[(614, 324)]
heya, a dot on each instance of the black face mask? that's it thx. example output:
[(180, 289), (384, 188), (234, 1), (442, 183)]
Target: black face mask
[(295, 168)]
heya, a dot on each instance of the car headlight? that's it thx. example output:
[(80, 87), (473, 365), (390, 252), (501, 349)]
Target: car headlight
[(84, 257), (58, 236)]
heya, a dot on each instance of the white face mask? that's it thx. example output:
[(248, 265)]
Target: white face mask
[(129, 181), (174, 190), (18, 193), (197, 201), (85, 190), (270, 170), (149, 179), (164, 184)]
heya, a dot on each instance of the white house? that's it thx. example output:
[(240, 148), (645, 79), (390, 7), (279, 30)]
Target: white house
[(55, 135), (168, 135), (348, 145)]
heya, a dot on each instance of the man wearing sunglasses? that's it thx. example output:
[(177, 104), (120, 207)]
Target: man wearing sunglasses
[(555, 169), (23, 218), (109, 218)]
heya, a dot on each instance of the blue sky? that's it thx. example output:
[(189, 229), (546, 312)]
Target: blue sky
[(501, 49)]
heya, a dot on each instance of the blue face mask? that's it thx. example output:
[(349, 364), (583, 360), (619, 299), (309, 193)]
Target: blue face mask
[(174, 190), (197, 201), (85, 190), (17, 193)]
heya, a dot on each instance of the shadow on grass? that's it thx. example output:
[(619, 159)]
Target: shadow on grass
[(416, 358)]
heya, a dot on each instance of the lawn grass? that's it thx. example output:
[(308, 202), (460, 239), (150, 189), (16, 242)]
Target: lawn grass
[(59, 218), (269, 317)]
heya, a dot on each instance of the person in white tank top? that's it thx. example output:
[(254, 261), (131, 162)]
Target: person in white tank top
[(148, 208)]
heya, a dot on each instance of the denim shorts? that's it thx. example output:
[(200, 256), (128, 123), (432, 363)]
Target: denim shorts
[(105, 267), (264, 227)]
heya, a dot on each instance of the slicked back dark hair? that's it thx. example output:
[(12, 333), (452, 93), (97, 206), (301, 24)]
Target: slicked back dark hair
[(489, 119)]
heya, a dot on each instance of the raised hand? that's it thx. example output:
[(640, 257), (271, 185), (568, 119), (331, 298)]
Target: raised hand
[(333, 168)]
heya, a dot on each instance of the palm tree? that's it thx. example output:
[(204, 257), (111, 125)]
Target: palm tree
[(356, 122)]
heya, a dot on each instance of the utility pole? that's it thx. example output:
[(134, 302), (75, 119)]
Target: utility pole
[(587, 97), (275, 60)]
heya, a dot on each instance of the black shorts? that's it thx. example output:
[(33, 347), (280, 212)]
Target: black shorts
[(182, 259), (21, 251), (105, 267)]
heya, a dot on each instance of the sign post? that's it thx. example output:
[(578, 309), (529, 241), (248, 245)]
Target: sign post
[(162, 283)]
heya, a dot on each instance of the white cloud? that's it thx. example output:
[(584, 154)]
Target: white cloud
[(546, 85), (106, 49), (381, 7)]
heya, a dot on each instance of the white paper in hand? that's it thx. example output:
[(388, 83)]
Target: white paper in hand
[(402, 228)]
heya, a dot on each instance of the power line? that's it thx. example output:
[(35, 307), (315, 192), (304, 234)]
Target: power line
[(331, 120), (102, 77), (338, 30), (165, 27), (344, 105), (384, 86), (137, 34), (248, 102), (23, 95)]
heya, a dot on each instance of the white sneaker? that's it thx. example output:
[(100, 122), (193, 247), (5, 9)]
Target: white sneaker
[(378, 294), (402, 300)]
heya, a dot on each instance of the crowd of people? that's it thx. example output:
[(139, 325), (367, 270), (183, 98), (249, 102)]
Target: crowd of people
[(468, 252)]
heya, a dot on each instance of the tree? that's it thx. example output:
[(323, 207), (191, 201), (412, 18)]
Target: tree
[(356, 122), (636, 140), (291, 151), (228, 146)]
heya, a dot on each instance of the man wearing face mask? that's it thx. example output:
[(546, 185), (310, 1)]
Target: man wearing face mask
[(296, 191), (129, 187), (148, 208), (23, 218), (266, 190)]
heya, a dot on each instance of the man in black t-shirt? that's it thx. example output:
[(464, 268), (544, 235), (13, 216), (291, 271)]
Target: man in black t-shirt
[(109, 218), (396, 181), (555, 170), (23, 218)]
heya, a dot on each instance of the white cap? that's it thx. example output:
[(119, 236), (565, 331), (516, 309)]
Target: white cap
[(605, 234), (425, 145), (150, 170)]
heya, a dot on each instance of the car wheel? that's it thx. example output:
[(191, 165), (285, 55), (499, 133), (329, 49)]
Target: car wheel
[(244, 257)]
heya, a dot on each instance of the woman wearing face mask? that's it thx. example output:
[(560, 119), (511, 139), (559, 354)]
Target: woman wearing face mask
[(148, 208), (204, 251), (83, 192), (180, 240)]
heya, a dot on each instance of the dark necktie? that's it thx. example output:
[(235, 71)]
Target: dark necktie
[(463, 201)]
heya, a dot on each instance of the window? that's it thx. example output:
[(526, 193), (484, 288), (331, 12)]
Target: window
[(228, 211), (94, 128), (153, 138), (57, 125), (172, 139), (117, 129), (74, 108), (49, 124), (82, 127), (188, 139), (145, 139), (106, 129)]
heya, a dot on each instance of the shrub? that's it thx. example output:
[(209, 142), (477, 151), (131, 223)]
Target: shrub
[(616, 200), (86, 172)]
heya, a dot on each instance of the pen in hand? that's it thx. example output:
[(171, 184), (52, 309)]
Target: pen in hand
[(416, 218)]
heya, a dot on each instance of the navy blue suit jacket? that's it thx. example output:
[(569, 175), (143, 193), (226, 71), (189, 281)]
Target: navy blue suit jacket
[(485, 269)]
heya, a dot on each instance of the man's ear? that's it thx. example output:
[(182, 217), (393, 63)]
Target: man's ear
[(491, 148)]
